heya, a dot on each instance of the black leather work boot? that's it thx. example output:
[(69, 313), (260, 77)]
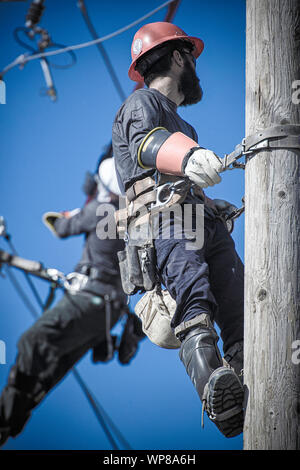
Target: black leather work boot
[(234, 356), (130, 338), (21, 394), (217, 385)]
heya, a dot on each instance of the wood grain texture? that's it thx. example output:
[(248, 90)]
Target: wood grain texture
[(272, 230)]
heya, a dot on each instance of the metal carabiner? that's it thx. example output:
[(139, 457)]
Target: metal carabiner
[(173, 187), (159, 202), (74, 282)]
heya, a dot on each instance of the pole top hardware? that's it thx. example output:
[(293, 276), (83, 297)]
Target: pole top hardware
[(285, 136)]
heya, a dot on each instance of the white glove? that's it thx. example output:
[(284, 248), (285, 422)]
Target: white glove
[(203, 168)]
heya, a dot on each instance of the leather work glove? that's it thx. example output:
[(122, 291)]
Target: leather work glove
[(203, 168), (49, 219)]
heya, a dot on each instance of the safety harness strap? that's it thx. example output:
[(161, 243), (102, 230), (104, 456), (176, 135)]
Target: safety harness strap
[(286, 136), (145, 198), (139, 187), (203, 319)]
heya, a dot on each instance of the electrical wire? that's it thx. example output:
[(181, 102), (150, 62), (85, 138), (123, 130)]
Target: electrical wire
[(109, 66), (24, 58), (29, 47), (96, 409), (113, 426), (21, 60), (21, 292), (27, 277)]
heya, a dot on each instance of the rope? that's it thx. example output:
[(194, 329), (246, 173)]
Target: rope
[(24, 58)]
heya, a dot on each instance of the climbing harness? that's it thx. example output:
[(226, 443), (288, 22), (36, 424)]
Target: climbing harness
[(147, 197), (135, 224)]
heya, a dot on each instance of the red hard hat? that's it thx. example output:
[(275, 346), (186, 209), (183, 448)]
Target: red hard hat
[(154, 34)]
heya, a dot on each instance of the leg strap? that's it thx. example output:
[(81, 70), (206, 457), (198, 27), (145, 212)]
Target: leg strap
[(199, 320)]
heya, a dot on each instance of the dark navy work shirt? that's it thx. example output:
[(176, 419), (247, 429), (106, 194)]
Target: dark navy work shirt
[(97, 253), (144, 110)]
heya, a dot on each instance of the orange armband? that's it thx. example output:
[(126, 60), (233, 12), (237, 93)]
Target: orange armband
[(165, 151)]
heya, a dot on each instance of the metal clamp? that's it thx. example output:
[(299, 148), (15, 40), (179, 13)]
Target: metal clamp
[(285, 136)]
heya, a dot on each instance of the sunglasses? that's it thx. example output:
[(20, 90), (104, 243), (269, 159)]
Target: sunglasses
[(190, 54)]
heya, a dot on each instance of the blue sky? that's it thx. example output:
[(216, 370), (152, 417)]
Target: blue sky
[(45, 150)]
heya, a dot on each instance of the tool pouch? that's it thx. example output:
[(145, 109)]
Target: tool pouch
[(137, 268), (147, 261), (128, 287), (155, 310), (134, 265)]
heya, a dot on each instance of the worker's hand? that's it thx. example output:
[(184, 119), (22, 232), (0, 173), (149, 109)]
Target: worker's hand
[(69, 214), (203, 168), (224, 207)]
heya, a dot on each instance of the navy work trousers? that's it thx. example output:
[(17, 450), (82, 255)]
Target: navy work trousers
[(205, 280), (62, 335)]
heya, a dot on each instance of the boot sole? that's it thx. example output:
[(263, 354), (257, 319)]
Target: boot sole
[(4, 435), (225, 393)]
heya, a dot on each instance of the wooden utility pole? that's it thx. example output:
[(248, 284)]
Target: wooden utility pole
[(272, 226)]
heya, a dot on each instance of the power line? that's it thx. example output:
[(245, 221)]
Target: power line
[(96, 409), (24, 58), (99, 411), (28, 279), (101, 49), (21, 292)]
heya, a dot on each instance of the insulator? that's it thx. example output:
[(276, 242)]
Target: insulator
[(34, 13)]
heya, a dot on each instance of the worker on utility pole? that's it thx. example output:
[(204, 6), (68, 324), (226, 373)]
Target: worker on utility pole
[(153, 145), (80, 321)]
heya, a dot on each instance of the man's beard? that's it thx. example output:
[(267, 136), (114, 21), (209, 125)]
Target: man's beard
[(189, 85)]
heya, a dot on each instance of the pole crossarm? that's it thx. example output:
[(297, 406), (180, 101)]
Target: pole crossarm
[(286, 136)]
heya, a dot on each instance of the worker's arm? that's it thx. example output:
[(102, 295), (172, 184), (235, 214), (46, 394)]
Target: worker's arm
[(177, 154), (152, 146), (68, 223)]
